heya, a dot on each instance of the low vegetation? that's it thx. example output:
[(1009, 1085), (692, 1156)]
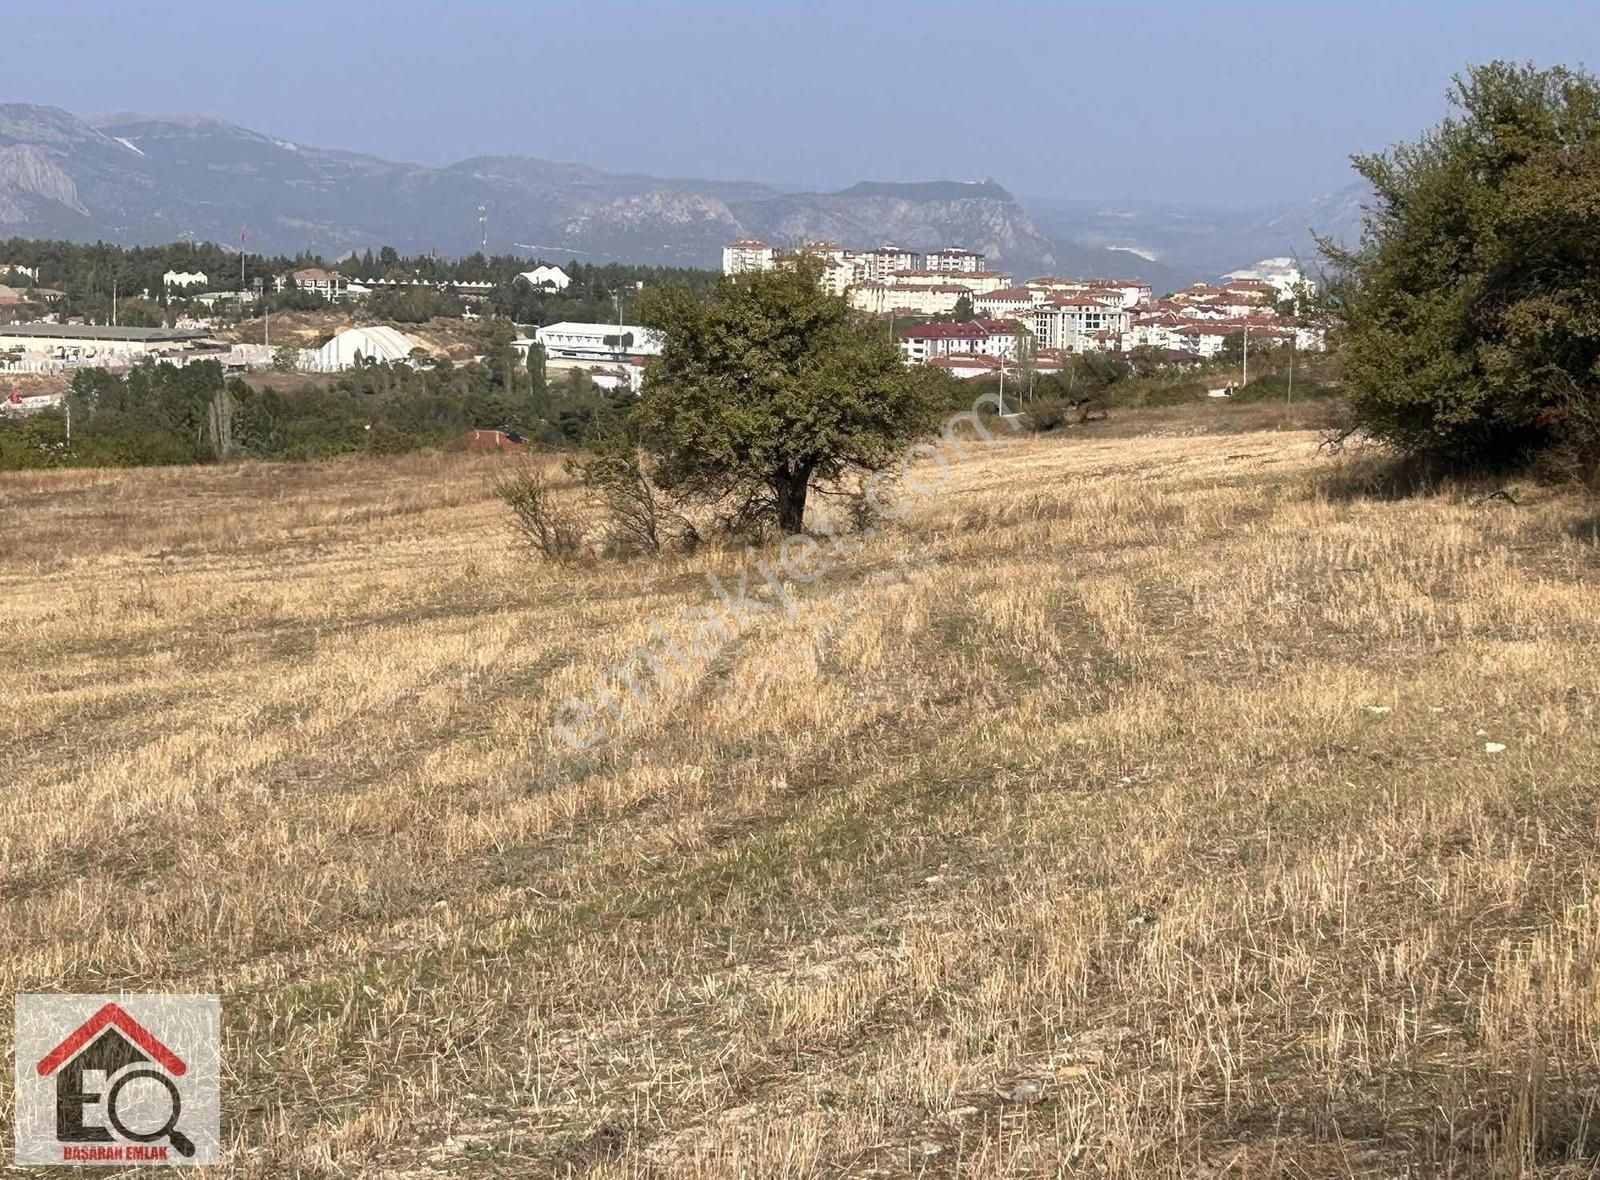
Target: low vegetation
[(1138, 806)]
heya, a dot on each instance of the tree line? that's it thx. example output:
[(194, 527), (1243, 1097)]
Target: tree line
[(89, 275), (163, 414)]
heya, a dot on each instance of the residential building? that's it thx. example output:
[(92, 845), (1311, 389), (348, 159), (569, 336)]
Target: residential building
[(1132, 292), (897, 299), (16, 268), (330, 284), (966, 366), (1069, 321), (747, 254), (953, 259), (977, 282), (547, 278), (879, 264), (997, 338), (1014, 303)]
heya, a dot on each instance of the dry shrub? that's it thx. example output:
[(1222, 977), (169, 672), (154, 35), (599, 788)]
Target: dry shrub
[(640, 518), (547, 526)]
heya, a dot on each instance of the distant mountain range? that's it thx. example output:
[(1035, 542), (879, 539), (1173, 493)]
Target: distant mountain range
[(135, 179)]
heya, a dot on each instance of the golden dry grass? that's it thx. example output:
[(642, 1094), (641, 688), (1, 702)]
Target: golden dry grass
[(1124, 810)]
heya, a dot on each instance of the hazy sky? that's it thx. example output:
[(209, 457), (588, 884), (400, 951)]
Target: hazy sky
[(1194, 101)]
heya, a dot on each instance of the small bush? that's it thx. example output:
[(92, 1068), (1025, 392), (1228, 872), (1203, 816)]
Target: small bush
[(544, 524), (1051, 413), (639, 518)]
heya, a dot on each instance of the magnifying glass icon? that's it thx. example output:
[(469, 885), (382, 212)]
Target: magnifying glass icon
[(181, 1143)]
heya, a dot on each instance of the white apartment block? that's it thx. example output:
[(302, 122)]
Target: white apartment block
[(879, 264), (994, 338), (1071, 322), (1013, 303), (747, 254), (978, 282), (953, 259), (894, 299), (183, 278)]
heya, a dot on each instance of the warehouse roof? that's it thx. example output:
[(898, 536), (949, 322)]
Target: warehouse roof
[(103, 332)]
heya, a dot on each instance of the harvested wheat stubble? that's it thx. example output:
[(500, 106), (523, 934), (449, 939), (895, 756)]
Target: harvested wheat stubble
[(1142, 825)]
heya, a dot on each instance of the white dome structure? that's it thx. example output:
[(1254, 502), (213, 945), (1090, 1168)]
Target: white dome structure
[(352, 345)]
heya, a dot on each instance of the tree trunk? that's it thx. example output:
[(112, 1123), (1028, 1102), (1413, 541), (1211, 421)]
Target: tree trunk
[(790, 489)]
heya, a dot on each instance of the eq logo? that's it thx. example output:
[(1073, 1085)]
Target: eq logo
[(117, 1080)]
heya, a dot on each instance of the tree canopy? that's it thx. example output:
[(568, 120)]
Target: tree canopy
[(769, 385), (1471, 308)]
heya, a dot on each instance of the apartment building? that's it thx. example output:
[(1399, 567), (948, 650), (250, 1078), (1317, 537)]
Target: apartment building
[(1070, 321), (897, 299), (953, 260), (747, 254), (995, 338)]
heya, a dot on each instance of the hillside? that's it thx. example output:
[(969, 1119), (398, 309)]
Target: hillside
[(135, 179), (1129, 807)]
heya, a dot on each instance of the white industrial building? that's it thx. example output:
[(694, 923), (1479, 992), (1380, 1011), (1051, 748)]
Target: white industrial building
[(183, 279), (597, 342), (546, 278), (355, 346), (101, 344)]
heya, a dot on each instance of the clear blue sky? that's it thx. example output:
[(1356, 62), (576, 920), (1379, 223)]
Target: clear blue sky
[(1208, 102)]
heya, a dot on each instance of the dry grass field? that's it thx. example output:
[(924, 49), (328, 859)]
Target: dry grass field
[(1124, 809)]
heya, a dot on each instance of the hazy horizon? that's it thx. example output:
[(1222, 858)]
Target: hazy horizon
[(1224, 106)]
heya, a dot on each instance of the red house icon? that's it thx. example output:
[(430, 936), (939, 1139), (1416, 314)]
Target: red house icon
[(109, 1042)]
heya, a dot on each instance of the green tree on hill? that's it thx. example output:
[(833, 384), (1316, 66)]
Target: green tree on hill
[(1471, 309)]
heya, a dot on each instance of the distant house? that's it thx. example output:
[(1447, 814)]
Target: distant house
[(546, 278), (183, 278), (966, 366), (16, 268), (330, 284)]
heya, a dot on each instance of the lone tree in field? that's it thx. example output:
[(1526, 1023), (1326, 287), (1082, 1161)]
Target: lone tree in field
[(1472, 307), (770, 385)]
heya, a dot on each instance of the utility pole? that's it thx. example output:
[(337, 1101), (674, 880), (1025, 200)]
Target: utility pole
[(1245, 380), (1294, 340), (113, 301)]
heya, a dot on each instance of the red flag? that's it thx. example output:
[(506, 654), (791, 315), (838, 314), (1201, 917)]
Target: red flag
[(243, 234)]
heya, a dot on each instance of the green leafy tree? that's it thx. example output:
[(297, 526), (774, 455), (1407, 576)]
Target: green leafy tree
[(772, 384), (1471, 309)]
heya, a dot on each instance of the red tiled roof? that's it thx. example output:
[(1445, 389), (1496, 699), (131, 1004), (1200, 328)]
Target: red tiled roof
[(964, 329), (967, 360)]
